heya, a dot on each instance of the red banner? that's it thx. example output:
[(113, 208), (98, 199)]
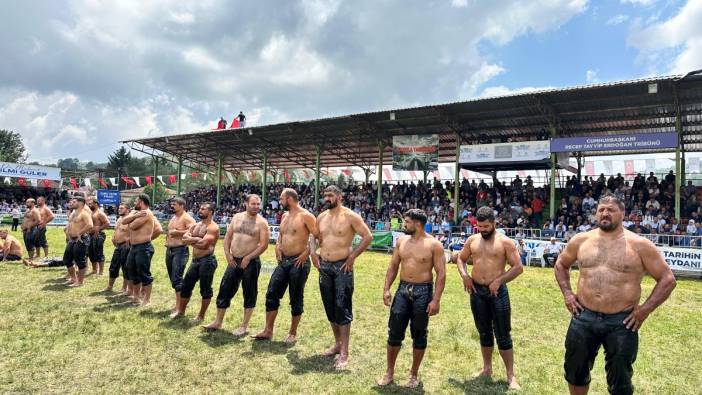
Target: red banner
[(172, 179), (149, 181), (47, 184), (22, 182), (193, 175), (103, 183), (128, 180), (629, 167), (74, 183)]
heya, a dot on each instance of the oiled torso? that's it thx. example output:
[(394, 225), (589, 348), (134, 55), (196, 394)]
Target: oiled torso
[(489, 257), (336, 234), (246, 234), (294, 233), (416, 259)]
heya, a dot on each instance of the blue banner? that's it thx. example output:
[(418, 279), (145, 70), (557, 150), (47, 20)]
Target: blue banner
[(618, 142), (108, 197)]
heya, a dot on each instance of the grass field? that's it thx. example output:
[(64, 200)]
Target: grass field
[(61, 340)]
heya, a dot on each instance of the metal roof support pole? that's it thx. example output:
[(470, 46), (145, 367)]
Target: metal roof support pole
[(456, 181), (317, 165), (678, 167), (552, 196), (426, 173), (180, 171), (379, 196), (264, 182), (154, 158), (219, 178)]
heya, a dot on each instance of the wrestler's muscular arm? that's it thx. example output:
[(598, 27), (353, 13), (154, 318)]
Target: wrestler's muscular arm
[(137, 219), (208, 239), (393, 269), (279, 241), (515, 263), (104, 222), (360, 228), (264, 235), (316, 240), (461, 263), (656, 266), (87, 223), (440, 269), (228, 244), (311, 224), (562, 270)]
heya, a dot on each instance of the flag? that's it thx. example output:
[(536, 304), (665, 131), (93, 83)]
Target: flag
[(149, 181), (387, 175), (136, 180), (22, 182), (628, 167), (74, 183), (589, 168), (193, 175), (182, 176), (286, 175), (172, 179), (102, 183), (113, 181), (47, 184), (128, 180), (234, 124), (87, 183), (7, 180), (33, 182), (230, 176), (204, 176), (160, 178)]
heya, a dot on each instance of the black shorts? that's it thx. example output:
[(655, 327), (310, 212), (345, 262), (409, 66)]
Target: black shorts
[(492, 316), (176, 259), (201, 269), (409, 306), (96, 251), (75, 252), (29, 237), (286, 273), (119, 260), (139, 263), (587, 332), (40, 238), (336, 288), (235, 276), (10, 257)]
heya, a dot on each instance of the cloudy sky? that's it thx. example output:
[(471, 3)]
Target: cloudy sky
[(78, 76)]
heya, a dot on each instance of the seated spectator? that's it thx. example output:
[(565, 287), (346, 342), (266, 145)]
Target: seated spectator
[(523, 251), (552, 250)]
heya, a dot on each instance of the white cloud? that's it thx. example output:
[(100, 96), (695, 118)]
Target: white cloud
[(459, 3), (501, 90), (639, 2), (591, 77), (617, 19), (484, 74), (674, 44)]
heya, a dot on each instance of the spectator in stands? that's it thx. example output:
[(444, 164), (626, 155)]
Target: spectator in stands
[(552, 250), (569, 233), (15, 217), (523, 251)]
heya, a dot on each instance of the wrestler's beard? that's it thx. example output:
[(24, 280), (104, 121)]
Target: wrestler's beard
[(329, 205), (608, 228), (286, 206), (409, 231), (487, 235)]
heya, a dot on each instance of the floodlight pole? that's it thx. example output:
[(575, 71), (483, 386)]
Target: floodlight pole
[(264, 180), (379, 196), (317, 165), (154, 158), (180, 171), (456, 175), (552, 196), (219, 178)]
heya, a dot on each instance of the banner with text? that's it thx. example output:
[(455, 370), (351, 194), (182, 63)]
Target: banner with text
[(29, 171), (619, 142), (522, 151), (415, 152)]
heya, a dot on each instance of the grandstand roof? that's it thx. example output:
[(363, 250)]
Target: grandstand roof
[(601, 109)]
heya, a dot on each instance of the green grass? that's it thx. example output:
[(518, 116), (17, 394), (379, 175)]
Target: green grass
[(58, 340)]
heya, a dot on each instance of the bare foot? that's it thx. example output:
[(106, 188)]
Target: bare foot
[(176, 314), (76, 285), (240, 331), (198, 319), (483, 373), (386, 379), (214, 326), (108, 289), (513, 385), (145, 303), (342, 362), (27, 262), (413, 382), (291, 339), (331, 351), (68, 282), (263, 335)]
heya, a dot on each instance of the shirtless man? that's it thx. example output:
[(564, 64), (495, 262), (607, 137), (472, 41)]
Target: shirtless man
[(489, 299), (11, 247), (202, 237), (246, 239), (177, 253), (96, 252), (29, 227), (80, 223), (606, 310), (292, 252), (120, 240), (45, 217), (415, 256), (337, 226), (141, 224)]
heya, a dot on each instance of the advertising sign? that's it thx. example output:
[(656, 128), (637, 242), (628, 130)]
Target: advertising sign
[(523, 151), (415, 152), (619, 142), (29, 171)]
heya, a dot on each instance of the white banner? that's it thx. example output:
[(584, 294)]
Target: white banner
[(683, 259), (29, 171), (523, 151)]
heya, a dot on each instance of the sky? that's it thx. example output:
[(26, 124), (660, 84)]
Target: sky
[(78, 76)]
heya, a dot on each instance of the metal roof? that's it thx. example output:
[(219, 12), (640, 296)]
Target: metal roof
[(352, 140)]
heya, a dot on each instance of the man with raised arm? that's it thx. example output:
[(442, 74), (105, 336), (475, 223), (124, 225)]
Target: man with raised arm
[(337, 227), (29, 226), (246, 239), (491, 252), (80, 224), (415, 256), (606, 310), (120, 240), (292, 252), (45, 217), (96, 251), (177, 253), (142, 226), (202, 237)]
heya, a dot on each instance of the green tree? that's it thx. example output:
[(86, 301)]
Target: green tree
[(118, 163), (11, 147), (68, 164), (161, 194)]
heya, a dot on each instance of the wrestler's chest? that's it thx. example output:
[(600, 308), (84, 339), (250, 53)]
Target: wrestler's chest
[(334, 227), (620, 257)]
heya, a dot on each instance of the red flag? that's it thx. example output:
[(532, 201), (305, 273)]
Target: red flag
[(47, 184), (128, 180), (629, 167), (172, 179), (22, 182), (149, 181), (589, 168), (103, 183), (74, 184), (286, 175), (234, 124), (193, 175)]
